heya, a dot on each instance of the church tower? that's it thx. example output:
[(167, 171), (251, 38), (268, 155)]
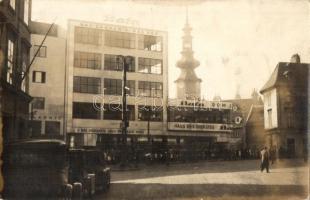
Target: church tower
[(188, 84)]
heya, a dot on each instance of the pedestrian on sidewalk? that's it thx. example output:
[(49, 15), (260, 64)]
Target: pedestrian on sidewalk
[(272, 155), (264, 160)]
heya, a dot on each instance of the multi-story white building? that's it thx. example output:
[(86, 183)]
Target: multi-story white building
[(47, 81), (94, 74)]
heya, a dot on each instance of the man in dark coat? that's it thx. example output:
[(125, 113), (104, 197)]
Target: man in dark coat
[(264, 159)]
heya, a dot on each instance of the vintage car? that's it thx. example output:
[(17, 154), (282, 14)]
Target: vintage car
[(37, 169), (86, 164)]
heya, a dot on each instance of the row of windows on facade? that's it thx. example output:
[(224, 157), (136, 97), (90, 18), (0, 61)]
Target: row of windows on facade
[(118, 39), (10, 63), (93, 61), (12, 4), (83, 110), (92, 85)]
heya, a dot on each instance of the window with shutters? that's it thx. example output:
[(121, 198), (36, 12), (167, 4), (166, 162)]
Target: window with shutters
[(38, 77)]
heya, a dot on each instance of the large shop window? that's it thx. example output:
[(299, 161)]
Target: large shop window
[(120, 39), (38, 77), (87, 60), (10, 62), (35, 126), (150, 89), (112, 63), (42, 52), (89, 85), (38, 103), (52, 128), (151, 66), (150, 43), (83, 110), (114, 112), (87, 35), (150, 113)]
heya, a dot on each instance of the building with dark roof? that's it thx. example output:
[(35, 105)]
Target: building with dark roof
[(243, 109), (285, 108)]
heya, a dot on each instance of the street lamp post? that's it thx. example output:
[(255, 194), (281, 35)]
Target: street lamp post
[(126, 61)]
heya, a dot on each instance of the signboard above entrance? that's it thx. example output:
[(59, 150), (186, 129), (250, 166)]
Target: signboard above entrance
[(183, 126)]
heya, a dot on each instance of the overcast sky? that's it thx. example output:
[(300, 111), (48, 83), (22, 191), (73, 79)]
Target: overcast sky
[(238, 43)]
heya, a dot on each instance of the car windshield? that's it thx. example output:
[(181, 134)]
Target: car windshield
[(93, 159)]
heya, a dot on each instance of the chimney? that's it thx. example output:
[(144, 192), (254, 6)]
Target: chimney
[(295, 58)]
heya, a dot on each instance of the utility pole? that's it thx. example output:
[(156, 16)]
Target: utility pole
[(126, 62)]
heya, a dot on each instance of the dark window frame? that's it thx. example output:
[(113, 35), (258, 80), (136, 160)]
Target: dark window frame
[(148, 65), (146, 42), (114, 112), (150, 89), (87, 60), (88, 85), (85, 110), (150, 113), (86, 35), (43, 77), (42, 49), (120, 39), (112, 64)]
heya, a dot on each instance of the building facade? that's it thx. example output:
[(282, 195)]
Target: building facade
[(286, 108), (94, 79), (47, 81), (15, 47), (203, 129)]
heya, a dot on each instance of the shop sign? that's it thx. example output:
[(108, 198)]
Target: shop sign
[(200, 104), (183, 126), (106, 131), (118, 28)]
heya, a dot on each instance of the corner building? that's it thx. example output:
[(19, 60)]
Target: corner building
[(94, 84)]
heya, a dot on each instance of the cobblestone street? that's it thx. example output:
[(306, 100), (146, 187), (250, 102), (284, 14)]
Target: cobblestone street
[(212, 180)]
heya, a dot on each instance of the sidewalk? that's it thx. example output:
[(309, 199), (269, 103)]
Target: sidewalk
[(280, 163)]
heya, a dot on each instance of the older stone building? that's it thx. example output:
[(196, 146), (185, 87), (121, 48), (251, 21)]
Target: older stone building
[(286, 108)]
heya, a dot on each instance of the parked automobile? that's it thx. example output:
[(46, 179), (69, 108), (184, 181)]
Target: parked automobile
[(86, 164), (37, 169)]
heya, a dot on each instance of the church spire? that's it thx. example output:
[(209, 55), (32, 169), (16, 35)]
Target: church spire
[(188, 84), (186, 15)]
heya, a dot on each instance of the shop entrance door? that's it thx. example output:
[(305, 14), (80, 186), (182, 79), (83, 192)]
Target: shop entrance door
[(291, 147)]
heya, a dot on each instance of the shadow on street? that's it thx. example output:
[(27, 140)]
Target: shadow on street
[(203, 191)]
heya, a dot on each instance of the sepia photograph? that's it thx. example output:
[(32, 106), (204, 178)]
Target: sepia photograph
[(154, 99)]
